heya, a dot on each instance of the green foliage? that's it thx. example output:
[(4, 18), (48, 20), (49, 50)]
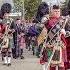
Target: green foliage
[(65, 4), (18, 5), (30, 6)]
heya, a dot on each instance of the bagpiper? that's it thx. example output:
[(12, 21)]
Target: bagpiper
[(5, 47), (55, 43)]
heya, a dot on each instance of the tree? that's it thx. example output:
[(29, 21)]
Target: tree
[(31, 7), (65, 4), (18, 5), (64, 8)]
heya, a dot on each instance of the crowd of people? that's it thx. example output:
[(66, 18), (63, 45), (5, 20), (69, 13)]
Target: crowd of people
[(47, 35)]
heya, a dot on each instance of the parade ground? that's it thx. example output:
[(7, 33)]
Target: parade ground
[(29, 62)]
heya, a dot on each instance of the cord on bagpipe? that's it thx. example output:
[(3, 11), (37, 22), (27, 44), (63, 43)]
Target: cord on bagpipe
[(54, 44)]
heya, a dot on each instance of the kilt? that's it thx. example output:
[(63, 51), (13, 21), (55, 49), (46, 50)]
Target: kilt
[(59, 55), (44, 57), (6, 52)]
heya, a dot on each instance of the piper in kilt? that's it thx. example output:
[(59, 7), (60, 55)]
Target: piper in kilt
[(55, 38), (5, 47)]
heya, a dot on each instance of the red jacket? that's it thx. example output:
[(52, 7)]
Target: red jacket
[(51, 22)]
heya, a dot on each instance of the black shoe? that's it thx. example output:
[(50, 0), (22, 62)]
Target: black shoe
[(9, 64), (15, 57), (22, 57), (4, 64), (33, 53)]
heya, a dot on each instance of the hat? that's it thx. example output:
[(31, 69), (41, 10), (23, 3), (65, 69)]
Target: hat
[(6, 8)]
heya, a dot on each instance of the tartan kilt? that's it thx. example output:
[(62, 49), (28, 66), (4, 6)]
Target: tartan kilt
[(42, 61), (44, 57), (49, 51), (57, 58), (5, 50)]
